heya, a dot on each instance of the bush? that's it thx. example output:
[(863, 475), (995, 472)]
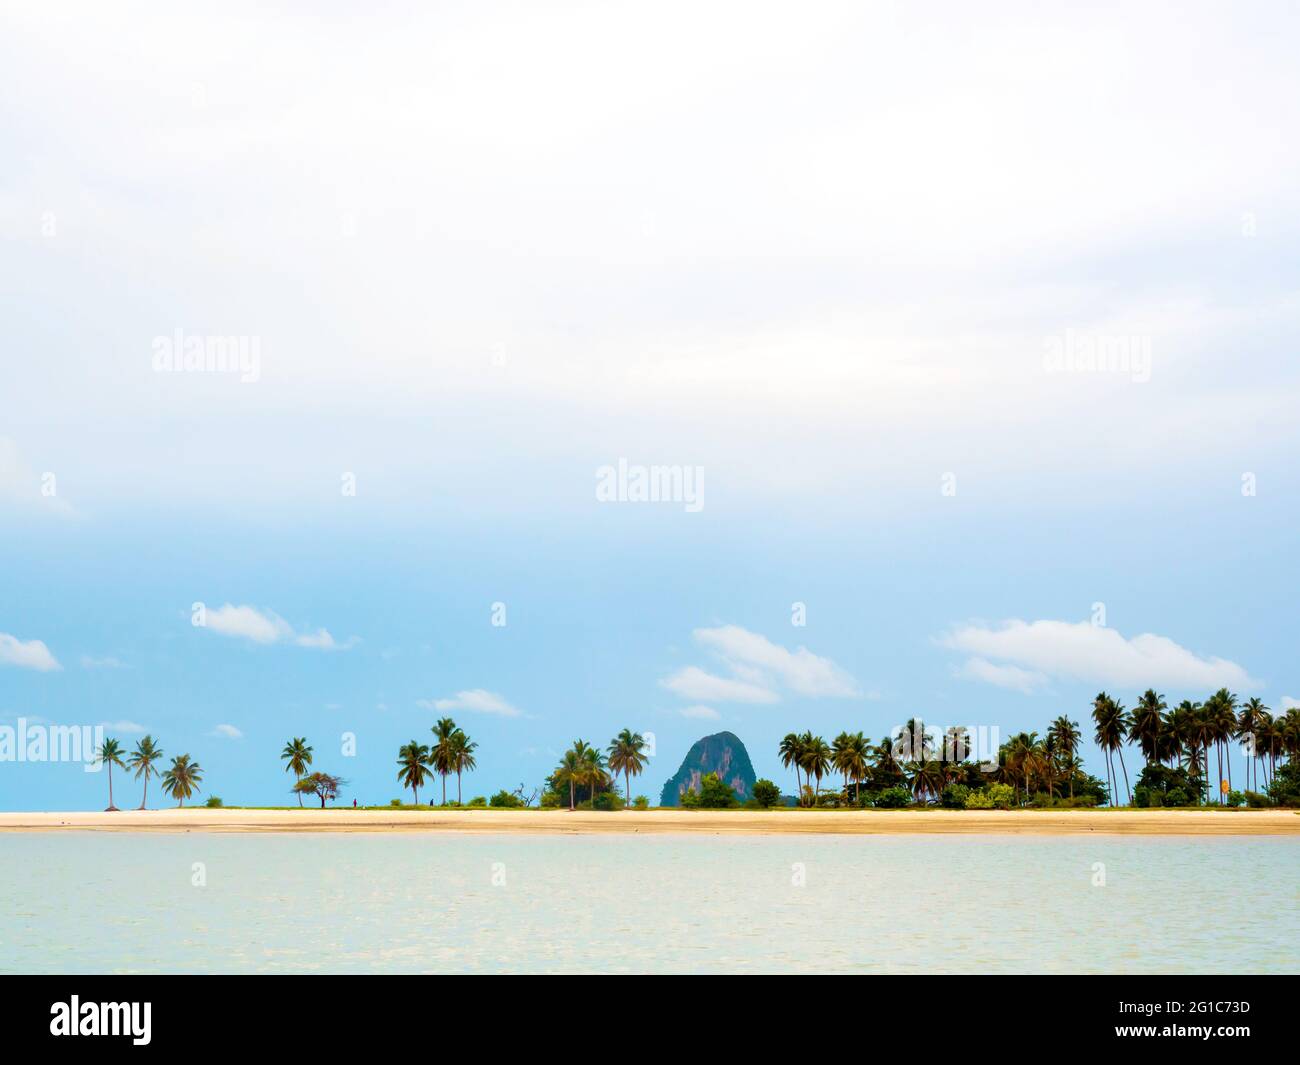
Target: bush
[(641, 802), (1154, 787), (551, 801), (1236, 798), (830, 800), (213, 803), (765, 793), (1177, 797), (714, 794), (1256, 801), (1284, 789), (506, 800), (894, 798), (979, 800), (607, 800), (994, 796), (478, 801), (954, 797)]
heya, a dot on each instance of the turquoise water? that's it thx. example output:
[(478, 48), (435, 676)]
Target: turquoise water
[(116, 903)]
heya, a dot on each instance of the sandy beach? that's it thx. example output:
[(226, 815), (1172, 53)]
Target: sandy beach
[(738, 822)]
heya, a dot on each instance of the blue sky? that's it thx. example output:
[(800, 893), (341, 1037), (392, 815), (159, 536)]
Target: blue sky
[(483, 254)]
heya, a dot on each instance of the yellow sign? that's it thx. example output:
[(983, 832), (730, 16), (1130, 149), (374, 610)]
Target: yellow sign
[(1223, 786)]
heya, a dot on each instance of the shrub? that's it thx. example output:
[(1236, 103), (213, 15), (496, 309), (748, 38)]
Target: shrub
[(979, 800), (714, 794), (394, 802), (478, 801), (213, 803), (999, 796), (641, 802), (507, 800), (765, 793), (1257, 801), (894, 798), (551, 801), (1236, 798), (1284, 788), (1177, 797), (954, 797), (607, 800)]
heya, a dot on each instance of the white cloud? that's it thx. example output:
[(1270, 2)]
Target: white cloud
[(107, 662), (29, 654), (1289, 703), (1080, 651), (474, 700), (706, 713), (800, 670), (694, 683), (227, 732), (267, 627), (759, 669), (123, 726), (1003, 676)]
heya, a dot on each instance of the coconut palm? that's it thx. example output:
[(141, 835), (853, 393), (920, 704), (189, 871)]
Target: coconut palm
[(413, 767), (462, 757), (442, 755), (593, 770), (182, 779), (927, 778), (142, 760), (1023, 759), (1064, 736), (626, 756), (791, 752), (1147, 724), (110, 754), (297, 755), (1269, 744), (851, 752), (1112, 726), (570, 771), (1222, 712), (1248, 723), (816, 760), (956, 744)]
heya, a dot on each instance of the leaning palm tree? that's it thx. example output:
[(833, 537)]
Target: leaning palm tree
[(1023, 760), (1248, 723), (413, 767), (462, 757), (297, 755), (142, 759), (593, 771), (182, 779), (442, 755), (626, 756), (791, 752), (1064, 736), (110, 754), (1269, 745)]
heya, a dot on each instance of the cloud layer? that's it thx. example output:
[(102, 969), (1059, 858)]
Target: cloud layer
[(475, 701), (267, 627), (28, 654), (1026, 656), (759, 669)]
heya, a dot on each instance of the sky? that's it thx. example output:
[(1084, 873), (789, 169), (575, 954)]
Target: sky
[(969, 335)]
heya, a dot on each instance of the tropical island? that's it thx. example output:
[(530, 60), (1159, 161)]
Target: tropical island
[(927, 779)]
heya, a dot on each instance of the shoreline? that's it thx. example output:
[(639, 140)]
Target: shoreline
[(1147, 822)]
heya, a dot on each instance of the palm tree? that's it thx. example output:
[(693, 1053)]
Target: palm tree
[(1112, 726), (1269, 744), (110, 754), (816, 760), (1204, 730), (956, 744), (1222, 710), (927, 778), (850, 753), (182, 779), (1023, 757), (570, 771), (1147, 725), (791, 751), (413, 767), (592, 770), (298, 756), (142, 759), (462, 757), (1064, 737), (1248, 723), (442, 755), (626, 757)]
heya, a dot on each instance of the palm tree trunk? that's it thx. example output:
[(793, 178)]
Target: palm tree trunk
[(1122, 766), (457, 787), (627, 789), (300, 795), (1218, 750), (571, 795), (110, 787), (145, 797)]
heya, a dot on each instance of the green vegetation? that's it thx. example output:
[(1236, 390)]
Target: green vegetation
[(214, 803), (322, 785), (714, 794), (142, 760), (110, 753), (297, 755), (181, 781), (765, 794)]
